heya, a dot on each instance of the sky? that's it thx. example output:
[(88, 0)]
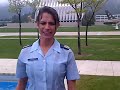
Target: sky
[(3, 1)]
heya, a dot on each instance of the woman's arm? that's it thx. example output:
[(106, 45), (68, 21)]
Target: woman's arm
[(71, 84), (22, 83)]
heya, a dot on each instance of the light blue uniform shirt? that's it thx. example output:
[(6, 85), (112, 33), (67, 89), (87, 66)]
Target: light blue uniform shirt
[(47, 72)]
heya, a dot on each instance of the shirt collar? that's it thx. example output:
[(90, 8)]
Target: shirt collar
[(56, 46), (35, 46)]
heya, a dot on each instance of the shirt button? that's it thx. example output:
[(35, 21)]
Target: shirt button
[(44, 60)]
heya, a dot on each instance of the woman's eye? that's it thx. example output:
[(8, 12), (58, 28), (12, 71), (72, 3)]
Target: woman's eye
[(43, 23), (51, 23)]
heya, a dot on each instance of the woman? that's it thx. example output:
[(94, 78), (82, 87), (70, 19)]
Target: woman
[(46, 62)]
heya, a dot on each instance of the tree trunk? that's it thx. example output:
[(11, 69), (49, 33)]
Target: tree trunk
[(87, 28), (79, 43), (19, 14), (87, 33)]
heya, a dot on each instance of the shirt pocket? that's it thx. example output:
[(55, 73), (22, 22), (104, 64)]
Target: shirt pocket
[(29, 68), (60, 68)]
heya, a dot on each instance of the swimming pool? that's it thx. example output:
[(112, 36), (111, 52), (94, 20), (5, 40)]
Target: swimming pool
[(8, 85), (8, 82)]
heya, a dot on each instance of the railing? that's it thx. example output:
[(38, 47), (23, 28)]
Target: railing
[(5, 21), (102, 18)]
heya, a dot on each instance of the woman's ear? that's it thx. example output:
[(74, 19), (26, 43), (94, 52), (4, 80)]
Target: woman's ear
[(57, 25), (37, 23)]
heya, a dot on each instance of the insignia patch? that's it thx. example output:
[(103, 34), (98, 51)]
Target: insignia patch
[(32, 59), (64, 46), (27, 46)]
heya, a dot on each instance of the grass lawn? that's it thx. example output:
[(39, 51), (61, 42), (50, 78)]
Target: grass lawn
[(63, 29), (98, 83), (97, 49), (93, 36)]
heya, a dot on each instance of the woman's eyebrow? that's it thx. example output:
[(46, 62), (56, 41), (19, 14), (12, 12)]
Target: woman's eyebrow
[(46, 22)]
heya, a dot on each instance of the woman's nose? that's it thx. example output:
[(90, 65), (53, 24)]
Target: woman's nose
[(47, 26)]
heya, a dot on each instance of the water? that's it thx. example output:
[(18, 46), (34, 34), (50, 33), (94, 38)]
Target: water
[(8, 85), (8, 82)]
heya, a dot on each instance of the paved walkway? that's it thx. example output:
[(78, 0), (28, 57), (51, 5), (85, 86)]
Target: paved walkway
[(85, 67), (62, 33)]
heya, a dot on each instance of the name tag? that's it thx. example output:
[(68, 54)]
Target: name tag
[(33, 59)]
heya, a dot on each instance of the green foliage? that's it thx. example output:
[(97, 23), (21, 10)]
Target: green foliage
[(34, 4), (95, 5), (71, 1), (15, 6), (75, 4)]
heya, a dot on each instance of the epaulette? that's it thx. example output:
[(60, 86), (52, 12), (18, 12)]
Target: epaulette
[(26, 46), (64, 46)]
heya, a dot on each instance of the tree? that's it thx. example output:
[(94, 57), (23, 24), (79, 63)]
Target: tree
[(78, 8), (15, 19), (15, 6), (24, 18), (92, 6), (82, 6), (34, 4)]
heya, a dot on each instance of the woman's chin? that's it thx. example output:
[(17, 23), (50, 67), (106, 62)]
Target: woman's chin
[(47, 37)]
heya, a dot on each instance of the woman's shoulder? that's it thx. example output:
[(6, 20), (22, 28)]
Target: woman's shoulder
[(64, 47), (26, 49), (27, 46)]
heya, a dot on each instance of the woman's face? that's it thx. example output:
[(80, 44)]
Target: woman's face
[(47, 26)]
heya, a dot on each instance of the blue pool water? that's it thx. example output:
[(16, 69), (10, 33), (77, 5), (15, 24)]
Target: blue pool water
[(8, 82), (8, 85)]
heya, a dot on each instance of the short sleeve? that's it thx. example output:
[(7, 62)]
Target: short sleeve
[(20, 69), (72, 71)]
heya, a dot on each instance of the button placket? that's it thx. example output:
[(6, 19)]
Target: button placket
[(44, 73)]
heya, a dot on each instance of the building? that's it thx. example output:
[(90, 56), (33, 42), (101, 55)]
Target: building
[(64, 10)]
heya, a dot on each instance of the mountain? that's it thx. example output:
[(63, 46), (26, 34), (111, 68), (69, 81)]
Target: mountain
[(4, 13), (111, 5)]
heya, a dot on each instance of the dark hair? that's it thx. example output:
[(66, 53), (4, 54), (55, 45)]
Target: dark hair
[(49, 10)]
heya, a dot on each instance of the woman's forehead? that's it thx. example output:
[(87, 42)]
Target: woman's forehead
[(46, 16)]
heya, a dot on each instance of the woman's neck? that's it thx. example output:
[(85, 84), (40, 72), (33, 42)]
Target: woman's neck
[(45, 44)]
